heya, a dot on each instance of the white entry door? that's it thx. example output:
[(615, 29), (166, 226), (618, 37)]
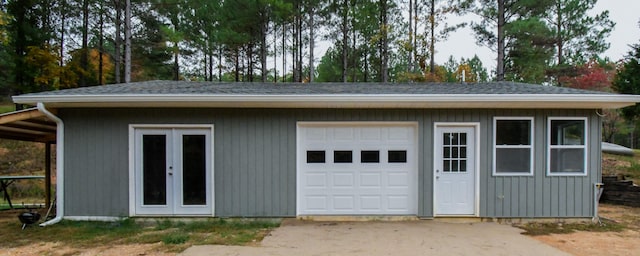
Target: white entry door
[(173, 172), (455, 170)]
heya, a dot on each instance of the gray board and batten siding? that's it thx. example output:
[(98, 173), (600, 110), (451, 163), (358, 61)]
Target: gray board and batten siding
[(255, 159)]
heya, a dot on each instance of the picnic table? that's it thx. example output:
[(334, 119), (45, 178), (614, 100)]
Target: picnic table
[(5, 181)]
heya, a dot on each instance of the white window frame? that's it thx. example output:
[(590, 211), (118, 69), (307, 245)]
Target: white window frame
[(530, 146), (583, 147)]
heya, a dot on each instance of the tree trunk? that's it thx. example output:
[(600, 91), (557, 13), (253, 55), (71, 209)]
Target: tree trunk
[(84, 52), (300, 44), (176, 66), (210, 63), (312, 38), (219, 63), (559, 41), (432, 48), (127, 43), (345, 31), (284, 52), (385, 44), (63, 16), (250, 61), (294, 51), (101, 45), (237, 64), (263, 51), (501, 51), (410, 64), (118, 40), (415, 33)]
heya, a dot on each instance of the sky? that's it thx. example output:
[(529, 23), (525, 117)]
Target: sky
[(626, 32)]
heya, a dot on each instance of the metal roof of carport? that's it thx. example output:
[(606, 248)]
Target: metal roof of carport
[(27, 125)]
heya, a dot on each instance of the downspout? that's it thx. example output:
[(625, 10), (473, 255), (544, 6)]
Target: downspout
[(59, 166)]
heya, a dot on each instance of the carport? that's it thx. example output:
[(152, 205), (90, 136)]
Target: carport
[(33, 126)]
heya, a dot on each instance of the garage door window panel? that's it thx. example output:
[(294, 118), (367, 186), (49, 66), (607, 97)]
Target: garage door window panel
[(397, 156), (513, 146), (370, 156), (315, 156), (342, 156)]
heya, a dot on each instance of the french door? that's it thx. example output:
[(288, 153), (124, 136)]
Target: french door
[(173, 171)]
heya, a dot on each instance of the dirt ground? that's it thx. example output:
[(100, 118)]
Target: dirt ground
[(578, 243), (626, 242)]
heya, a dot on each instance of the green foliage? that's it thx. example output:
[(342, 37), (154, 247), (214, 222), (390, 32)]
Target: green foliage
[(330, 67), (531, 48), (175, 238), (627, 81), (579, 36)]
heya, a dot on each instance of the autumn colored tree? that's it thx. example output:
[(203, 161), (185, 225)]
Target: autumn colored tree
[(594, 75), (48, 74)]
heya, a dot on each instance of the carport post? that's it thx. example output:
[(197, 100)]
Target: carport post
[(47, 173)]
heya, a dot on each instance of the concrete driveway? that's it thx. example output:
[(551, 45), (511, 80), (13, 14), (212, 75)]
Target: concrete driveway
[(296, 237)]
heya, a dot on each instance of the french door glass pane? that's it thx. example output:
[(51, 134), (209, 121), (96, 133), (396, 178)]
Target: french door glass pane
[(154, 160), (194, 161)]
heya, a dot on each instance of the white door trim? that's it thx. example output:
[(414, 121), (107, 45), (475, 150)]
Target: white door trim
[(132, 153), (299, 154), (476, 127)]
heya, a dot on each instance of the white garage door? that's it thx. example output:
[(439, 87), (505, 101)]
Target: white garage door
[(357, 169)]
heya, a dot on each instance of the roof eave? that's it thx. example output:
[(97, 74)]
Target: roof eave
[(572, 101)]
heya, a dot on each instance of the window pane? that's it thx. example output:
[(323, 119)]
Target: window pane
[(315, 156), (454, 138), (463, 166), (342, 157), (569, 160), (370, 156), (454, 165), (567, 132), (446, 138), (398, 156), (513, 132), (194, 164), (513, 160), (154, 169), (446, 165), (463, 152), (463, 139), (454, 152), (447, 152)]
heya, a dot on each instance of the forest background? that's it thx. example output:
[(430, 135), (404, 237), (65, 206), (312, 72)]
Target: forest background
[(51, 45)]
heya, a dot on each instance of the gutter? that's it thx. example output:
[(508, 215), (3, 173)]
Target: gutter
[(59, 165)]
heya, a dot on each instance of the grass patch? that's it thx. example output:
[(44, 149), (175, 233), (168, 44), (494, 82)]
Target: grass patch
[(172, 236), (540, 229), (7, 107)]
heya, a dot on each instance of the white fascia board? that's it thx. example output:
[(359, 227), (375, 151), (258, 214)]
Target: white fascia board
[(338, 100)]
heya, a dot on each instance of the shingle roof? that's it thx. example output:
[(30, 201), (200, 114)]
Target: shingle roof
[(186, 87), (328, 95)]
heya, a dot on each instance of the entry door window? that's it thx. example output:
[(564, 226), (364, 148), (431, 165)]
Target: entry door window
[(173, 171), (455, 152)]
